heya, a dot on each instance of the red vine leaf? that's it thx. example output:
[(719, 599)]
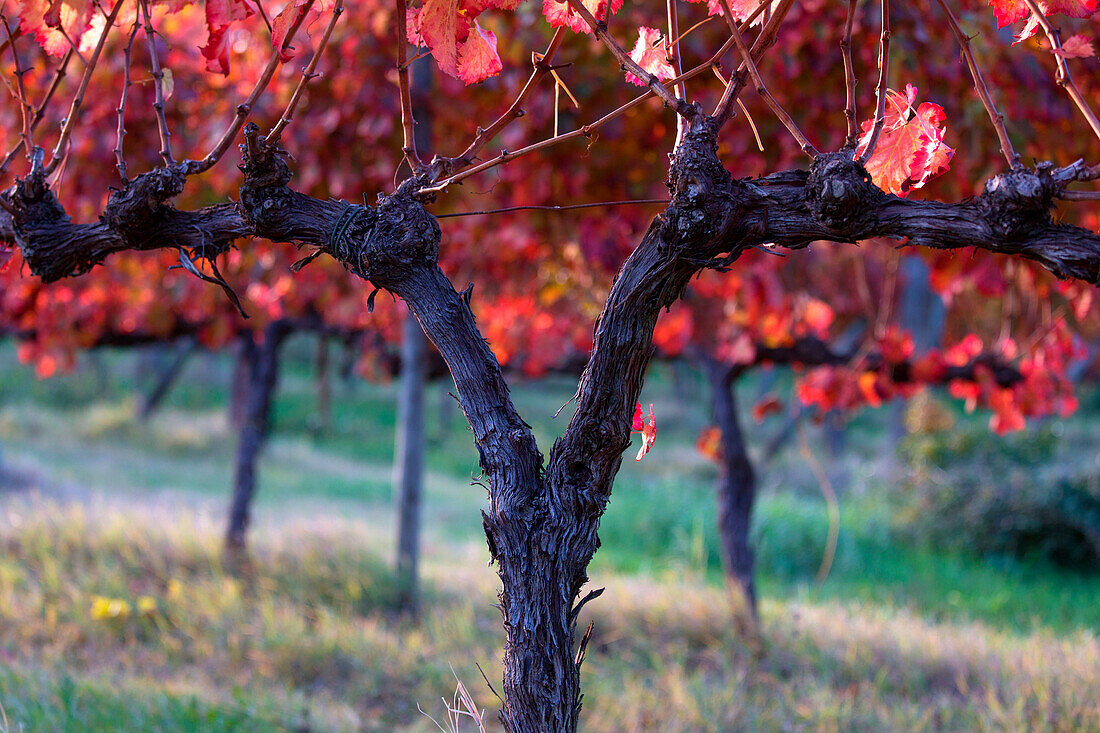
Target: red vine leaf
[(741, 9), (709, 443), (478, 58), (647, 427), (651, 53), (1010, 11), (50, 21), (910, 152), (440, 26), (220, 14), (560, 14), (282, 23), (1076, 47)]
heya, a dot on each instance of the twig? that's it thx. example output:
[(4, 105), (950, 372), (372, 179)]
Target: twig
[(880, 90), (568, 207), (120, 162), (158, 86), (682, 36), (724, 109), (980, 87), (74, 109), (543, 65), (850, 78), (191, 167), (308, 74), (1063, 77), (507, 155), (17, 33), (674, 57), (627, 63), (72, 46), (408, 146), (588, 130), (263, 16), (40, 111), (746, 55), (24, 105)]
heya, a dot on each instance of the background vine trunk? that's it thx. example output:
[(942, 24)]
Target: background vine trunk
[(263, 375)]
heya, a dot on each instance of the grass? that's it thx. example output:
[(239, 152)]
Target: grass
[(307, 636)]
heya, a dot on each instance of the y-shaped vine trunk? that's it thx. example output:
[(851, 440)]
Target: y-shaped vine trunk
[(542, 526)]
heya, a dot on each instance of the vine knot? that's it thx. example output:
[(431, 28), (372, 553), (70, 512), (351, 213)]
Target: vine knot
[(839, 190), (1016, 201)]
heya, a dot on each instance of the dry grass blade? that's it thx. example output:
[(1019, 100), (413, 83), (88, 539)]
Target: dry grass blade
[(830, 499), (462, 705)]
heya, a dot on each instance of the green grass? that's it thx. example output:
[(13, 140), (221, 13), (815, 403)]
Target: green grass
[(42, 700), (659, 521), (899, 636)]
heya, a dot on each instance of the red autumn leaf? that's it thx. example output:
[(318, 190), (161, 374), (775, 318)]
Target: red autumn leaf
[(220, 14), (52, 16), (1008, 348), (709, 443), (45, 366), (767, 406), (651, 53), (50, 21), (867, 386), (216, 52), (740, 8), (478, 58), (5, 257), (929, 368), (818, 316), (224, 12), (1007, 416), (775, 329), (474, 8), (440, 26), (910, 151), (559, 14), (1082, 303), (1076, 47), (281, 24), (1010, 11), (964, 352), (895, 345), (647, 427)]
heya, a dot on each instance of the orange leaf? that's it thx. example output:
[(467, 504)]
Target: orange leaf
[(709, 443), (910, 151)]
